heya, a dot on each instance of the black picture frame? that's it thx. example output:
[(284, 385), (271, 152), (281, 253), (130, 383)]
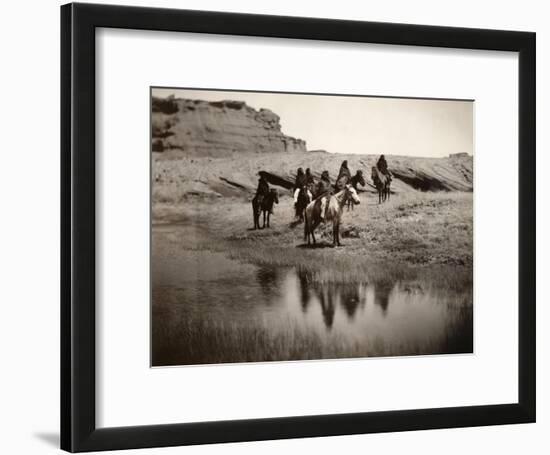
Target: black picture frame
[(78, 176)]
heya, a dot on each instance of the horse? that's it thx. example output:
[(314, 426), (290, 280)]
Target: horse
[(355, 180), (334, 208), (264, 204), (382, 183), (304, 198)]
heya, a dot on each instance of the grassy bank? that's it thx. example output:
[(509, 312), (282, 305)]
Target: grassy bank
[(414, 236)]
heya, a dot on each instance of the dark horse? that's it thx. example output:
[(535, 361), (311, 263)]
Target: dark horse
[(304, 198), (264, 204), (354, 181), (382, 183)]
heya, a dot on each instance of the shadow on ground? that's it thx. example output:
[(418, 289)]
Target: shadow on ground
[(318, 245)]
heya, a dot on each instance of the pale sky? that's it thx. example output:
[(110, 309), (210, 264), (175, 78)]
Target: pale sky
[(360, 124)]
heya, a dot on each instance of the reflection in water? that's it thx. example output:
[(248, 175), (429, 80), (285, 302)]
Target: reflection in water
[(325, 296), (394, 318), (382, 297), (267, 279), (304, 290), (350, 296)]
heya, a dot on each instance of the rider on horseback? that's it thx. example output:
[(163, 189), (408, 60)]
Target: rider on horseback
[(344, 176), (299, 183), (263, 189), (344, 171), (382, 166), (310, 181), (324, 190)]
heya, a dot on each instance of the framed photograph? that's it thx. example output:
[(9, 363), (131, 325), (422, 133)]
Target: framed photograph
[(279, 227)]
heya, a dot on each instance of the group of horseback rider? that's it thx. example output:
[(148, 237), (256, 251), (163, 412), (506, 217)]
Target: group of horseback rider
[(324, 187)]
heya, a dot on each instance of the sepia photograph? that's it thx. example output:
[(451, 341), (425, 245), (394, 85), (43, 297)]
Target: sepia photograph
[(293, 227)]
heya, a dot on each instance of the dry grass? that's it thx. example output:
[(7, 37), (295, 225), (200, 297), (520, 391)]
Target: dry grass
[(424, 236)]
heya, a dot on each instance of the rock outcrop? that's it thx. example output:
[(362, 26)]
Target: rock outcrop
[(217, 129)]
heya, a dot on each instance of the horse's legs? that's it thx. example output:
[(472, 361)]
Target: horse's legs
[(268, 217), (336, 234)]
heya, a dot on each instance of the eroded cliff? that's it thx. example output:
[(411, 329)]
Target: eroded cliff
[(217, 129)]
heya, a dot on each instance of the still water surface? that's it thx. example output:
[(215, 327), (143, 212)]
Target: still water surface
[(209, 285)]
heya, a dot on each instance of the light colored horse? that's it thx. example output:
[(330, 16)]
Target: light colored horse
[(356, 180), (334, 209)]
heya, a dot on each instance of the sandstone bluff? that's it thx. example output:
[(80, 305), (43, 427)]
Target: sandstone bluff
[(217, 129)]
